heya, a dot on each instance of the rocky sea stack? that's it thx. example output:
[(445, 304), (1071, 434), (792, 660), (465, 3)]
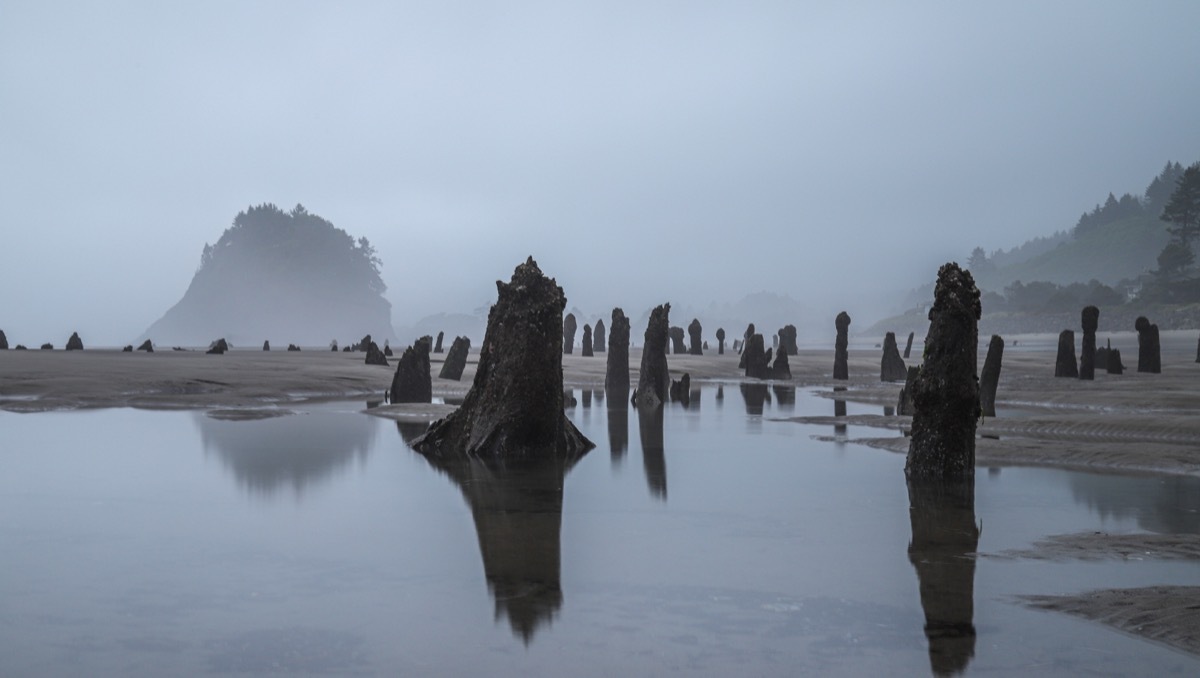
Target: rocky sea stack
[(280, 274)]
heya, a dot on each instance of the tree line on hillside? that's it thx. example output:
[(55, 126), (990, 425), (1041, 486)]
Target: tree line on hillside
[(1150, 204)]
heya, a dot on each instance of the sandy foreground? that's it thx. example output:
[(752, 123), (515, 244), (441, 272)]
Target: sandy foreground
[(1132, 423)]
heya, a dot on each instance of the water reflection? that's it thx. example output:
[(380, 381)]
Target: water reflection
[(300, 450), (944, 540), (650, 428), (1169, 505), (755, 396), (785, 397), (618, 429), (518, 519), (411, 430)]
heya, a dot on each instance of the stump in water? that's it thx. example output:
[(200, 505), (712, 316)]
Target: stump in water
[(456, 359), (681, 391), (654, 381), (742, 348), (1064, 364), (841, 355), (411, 383), (908, 346), (891, 366), (780, 369), (616, 377), (990, 376), (1087, 353), (514, 410), (945, 393)]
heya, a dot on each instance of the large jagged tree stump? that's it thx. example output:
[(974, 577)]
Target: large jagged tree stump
[(891, 366), (456, 359), (945, 393), (514, 410), (411, 383), (598, 337)]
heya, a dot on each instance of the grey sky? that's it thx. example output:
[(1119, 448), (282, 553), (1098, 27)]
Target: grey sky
[(641, 152)]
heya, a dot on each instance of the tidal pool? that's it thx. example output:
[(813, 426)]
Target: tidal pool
[(710, 540)]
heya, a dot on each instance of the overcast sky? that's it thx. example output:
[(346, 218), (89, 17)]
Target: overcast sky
[(642, 152)]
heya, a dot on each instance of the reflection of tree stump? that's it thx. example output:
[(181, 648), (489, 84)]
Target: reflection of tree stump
[(650, 429), (942, 550), (518, 518)]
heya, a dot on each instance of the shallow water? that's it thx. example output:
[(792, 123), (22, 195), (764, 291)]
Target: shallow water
[(712, 541)]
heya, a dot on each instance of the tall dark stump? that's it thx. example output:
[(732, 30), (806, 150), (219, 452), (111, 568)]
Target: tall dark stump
[(74, 343), (745, 340), (568, 334), (1064, 364), (412, 383), (616, 376), (990, 376), (908, 346), (945, 393), (787, 339), (757, 360), (586, 349), (514, 410), (437, 346), (678, 347), (1149, 355), (1087, 353), (456, 359), (694, 340), (598, 336), (721, 344), (891, 365), (375, 356), (4, 344), (841, 355), (1115, 366), (654, 381)]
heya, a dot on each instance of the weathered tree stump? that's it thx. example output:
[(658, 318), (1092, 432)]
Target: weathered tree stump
[(375, 356), (678, 347), (616, 376), (146, 346), (1115, 366), (437, 346), (1087, 353), (514, 410), (586, 348), (694, 339), (758, 361), (266, 345), (904, 404), (945, 393), (1064, 364), (891, 366), (841, 354), (456, 359), (1149, 354), (780, 369), (787, 339), (721, 343), (990, 376), (654, 381), (598, 337), (74, 343), (568, 334), (908, 346), (411, 383)]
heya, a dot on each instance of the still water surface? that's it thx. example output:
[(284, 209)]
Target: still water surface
[(707, 541)]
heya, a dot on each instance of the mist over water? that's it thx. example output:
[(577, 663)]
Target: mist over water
[(642, 154)]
